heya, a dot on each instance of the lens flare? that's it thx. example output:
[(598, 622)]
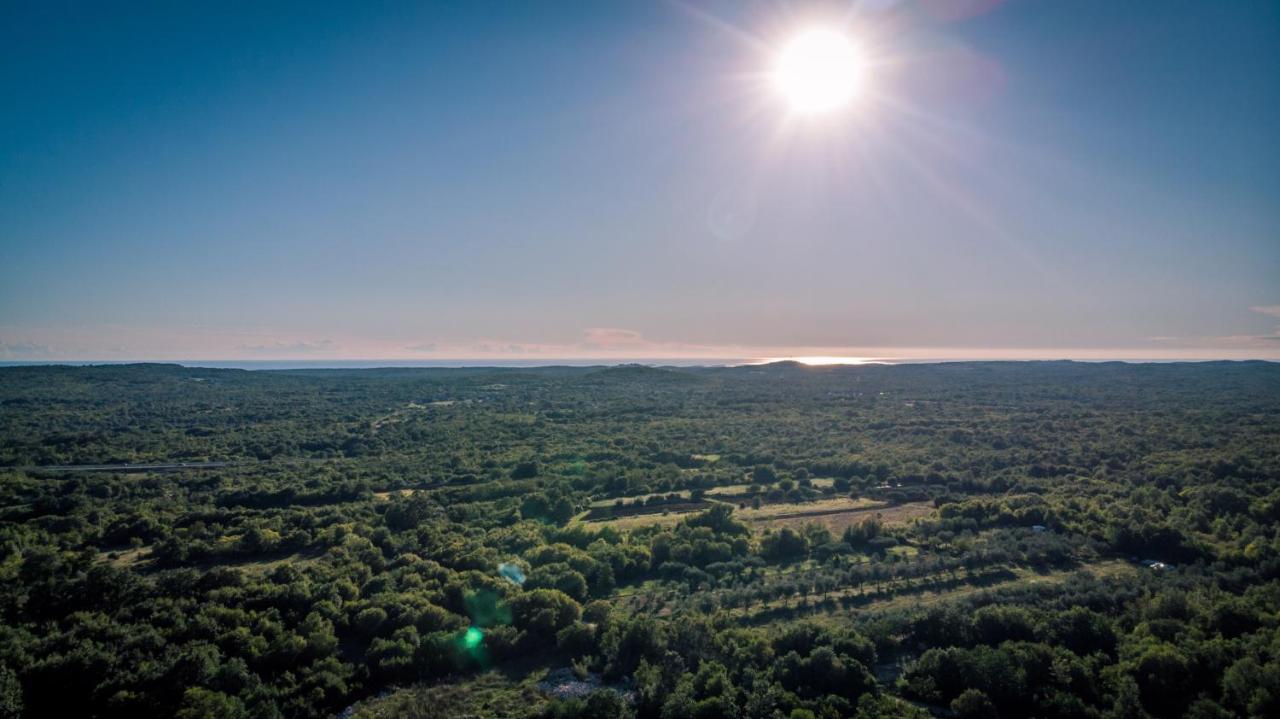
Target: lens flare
[(472, 637), (511, 572)]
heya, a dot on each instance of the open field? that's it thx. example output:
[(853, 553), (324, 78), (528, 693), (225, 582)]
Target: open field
[(635, 521), (744, 489), (785, 510), (597, 514), (835, 514), (493, 693), (142, 559), (126, 558), (729, 489), (393, 492), (611, 501), (398, 415), (836, 519)]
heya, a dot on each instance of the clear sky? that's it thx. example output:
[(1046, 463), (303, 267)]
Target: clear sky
[(620, 179)]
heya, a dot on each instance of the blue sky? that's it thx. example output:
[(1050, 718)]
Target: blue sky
[(543, 179)]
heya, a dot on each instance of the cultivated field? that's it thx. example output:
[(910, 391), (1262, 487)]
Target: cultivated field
[(835, 518)]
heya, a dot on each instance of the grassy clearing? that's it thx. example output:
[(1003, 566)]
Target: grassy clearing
[(390, 493), (141, 559), (745, 488), (729, 489), (492, 694), (263, 564), (636, 521), (126, 558), (785, 510), (598, 514), (609, 501), (398, 415), (838, 519), (645, 588)]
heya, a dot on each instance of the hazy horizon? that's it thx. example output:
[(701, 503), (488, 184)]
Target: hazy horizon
[(499, 362)]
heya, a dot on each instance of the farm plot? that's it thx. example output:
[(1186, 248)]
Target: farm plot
[(835, 516)]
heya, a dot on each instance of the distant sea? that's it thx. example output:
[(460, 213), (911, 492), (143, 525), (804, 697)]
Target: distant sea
[(549, 362), (373, 364)]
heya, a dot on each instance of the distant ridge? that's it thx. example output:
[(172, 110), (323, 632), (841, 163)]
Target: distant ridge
[(639, 372)]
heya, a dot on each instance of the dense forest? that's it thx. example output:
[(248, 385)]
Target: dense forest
[(1034, 539)]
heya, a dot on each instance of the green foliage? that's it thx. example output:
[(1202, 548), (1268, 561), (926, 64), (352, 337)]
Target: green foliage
[(973, 704), (348, 536)]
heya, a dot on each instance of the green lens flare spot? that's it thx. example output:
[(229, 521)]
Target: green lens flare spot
[(472, 638)]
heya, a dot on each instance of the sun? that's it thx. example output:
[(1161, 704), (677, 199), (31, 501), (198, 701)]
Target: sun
[(819, 71)]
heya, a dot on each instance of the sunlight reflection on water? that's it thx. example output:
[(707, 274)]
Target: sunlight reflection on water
[(827, 360)]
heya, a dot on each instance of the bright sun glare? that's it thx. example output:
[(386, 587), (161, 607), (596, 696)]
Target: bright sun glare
[(819, 71)]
